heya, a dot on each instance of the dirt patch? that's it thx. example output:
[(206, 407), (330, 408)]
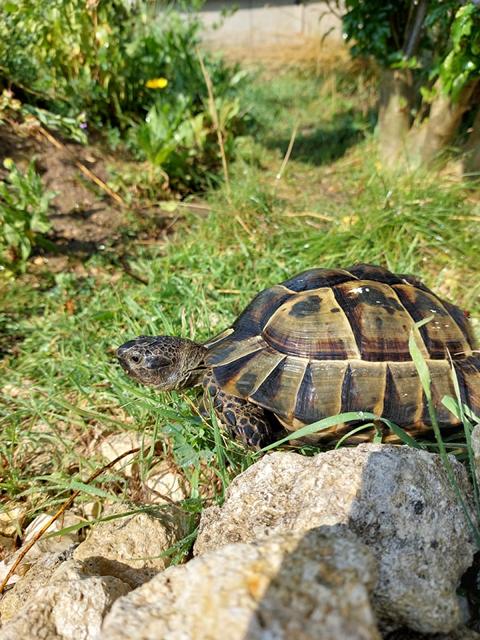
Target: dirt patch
[(83, 215)]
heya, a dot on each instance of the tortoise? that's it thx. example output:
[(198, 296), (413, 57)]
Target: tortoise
[(324, 342)]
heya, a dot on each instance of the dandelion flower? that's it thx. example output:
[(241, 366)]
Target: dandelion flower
[(156, 83)]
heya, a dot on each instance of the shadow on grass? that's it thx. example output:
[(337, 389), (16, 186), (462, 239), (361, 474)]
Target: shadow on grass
[(324, 144)]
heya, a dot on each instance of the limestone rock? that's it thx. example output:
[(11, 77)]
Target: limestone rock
[(117, 444), (51, 544), (10, 520), (34, 579), (130, 547), (163, 485), (70, 607), (398, 500), (462, 633), (45, 544), (302, 585)]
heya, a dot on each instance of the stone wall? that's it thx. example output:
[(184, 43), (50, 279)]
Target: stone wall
[(257, 24)]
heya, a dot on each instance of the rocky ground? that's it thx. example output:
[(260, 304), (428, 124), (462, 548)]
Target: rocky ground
[(358, 543)]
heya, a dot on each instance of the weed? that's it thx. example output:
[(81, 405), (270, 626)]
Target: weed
[(24, 206)]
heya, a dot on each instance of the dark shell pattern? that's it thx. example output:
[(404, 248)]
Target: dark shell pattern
[(334, 340)]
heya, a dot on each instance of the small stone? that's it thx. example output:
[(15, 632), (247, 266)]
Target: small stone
[(51, 544), (132, 546), (164, 485), (119, 443), (70, 607), (43, 545), (11, 520), (37, 576)]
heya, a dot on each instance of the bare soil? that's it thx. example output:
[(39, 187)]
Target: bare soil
[(82, 214)]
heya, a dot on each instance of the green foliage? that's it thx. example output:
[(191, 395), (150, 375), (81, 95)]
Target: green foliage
[(462, 64), (382, 31), (447, 42), (115, 65), (185, 143), (23, 214), (369, 26)]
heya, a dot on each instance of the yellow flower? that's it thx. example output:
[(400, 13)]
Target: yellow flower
[(156, 83)]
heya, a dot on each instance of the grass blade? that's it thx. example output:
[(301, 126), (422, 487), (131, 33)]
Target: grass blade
[(425, 379), (349, 416)]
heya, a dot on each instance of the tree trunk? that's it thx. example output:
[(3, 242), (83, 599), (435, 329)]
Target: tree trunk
[(394, 114), (428, 139), (471, 162)]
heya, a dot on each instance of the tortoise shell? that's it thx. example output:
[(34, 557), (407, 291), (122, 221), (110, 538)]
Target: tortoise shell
[(335, 340)]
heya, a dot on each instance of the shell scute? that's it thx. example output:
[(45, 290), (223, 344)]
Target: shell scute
[(403, 401), (372, 272), (231, 349), (441, 334), (254, 317), (363, 387), (462, 322), (278, 392), (307, 325), (241, 377), (380, 324), (320, 392), (317, 278), (441, 385), (468, 376)]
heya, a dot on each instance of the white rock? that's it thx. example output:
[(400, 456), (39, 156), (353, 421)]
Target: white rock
[(462, 633), (117, 444), (43, 545), (476, 450), (70, 607), (46, 543), (132, 547), (26, 586), (10, 520), (398, 500), (163, 485), (292, 586)]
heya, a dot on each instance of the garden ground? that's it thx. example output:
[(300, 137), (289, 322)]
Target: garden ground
[(188, 269)]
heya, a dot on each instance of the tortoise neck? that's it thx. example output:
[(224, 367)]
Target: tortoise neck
[(195, 365)]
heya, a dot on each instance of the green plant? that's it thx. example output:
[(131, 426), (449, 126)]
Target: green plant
[(184, 144), (24, 206), (131, 70), (462, 63)]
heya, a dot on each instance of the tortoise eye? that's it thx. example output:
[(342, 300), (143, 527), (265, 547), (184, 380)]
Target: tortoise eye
[(135, 358)]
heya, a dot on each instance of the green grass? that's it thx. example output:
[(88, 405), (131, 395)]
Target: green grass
[(62, 390)]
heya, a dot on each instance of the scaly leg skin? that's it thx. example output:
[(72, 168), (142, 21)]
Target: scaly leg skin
[(245, 421)]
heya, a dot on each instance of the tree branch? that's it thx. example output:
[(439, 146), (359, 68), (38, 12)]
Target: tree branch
[(412, 36)]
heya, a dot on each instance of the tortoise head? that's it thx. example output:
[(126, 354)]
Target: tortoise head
[(164, 362)]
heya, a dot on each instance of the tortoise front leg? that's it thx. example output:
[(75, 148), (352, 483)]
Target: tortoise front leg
[(243, 420)]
